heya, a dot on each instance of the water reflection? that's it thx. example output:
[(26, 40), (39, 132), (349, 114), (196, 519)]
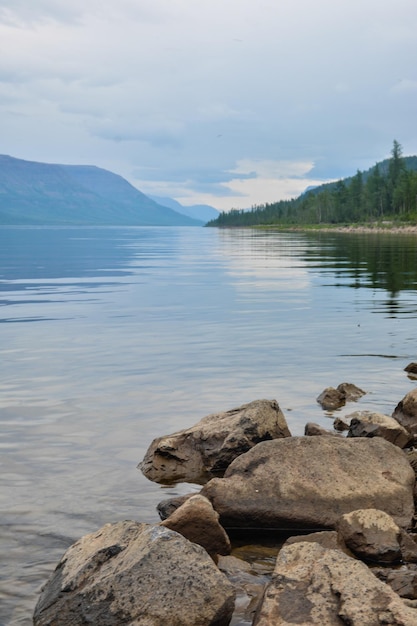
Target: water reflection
[(380, 261)]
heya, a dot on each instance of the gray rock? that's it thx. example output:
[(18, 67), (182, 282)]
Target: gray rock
[(406, 412), (137, 575), (206, 449), (319, 587), (309, 482), (198, 522), (372, 535), (371, 424)]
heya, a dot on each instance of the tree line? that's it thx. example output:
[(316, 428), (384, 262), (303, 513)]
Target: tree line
[(388, 191)]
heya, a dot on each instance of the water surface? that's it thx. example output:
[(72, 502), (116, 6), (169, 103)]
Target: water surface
[(110, 337)]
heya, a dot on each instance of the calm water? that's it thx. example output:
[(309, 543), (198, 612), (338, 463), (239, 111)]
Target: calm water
[(110, 337)]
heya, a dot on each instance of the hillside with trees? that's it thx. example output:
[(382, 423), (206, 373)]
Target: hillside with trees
[(387, 191)]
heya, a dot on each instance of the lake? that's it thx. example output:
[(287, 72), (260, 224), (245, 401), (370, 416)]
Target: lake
[(110, 337)]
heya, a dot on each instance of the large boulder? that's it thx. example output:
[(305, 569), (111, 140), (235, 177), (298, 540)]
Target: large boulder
[(371, 424), (316, 586), (206, 449), (309, 482), (406, 412), (199, 522), (371, 534), (135, 574)]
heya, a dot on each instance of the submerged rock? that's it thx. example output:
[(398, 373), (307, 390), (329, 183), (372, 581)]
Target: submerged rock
[(316, 586), (331, 398), (207, 449), (309, 482), (129, 573)]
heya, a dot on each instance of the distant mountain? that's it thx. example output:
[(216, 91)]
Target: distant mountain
[(52, 194), (203, 212)]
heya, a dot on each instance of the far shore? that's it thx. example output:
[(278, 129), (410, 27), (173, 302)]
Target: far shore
[(387, 227)]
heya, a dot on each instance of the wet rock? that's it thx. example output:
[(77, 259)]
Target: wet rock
[(411, 370), (167, 507), (130, 573), (314, 430), (207, 449), (372, 535), (351, 391), (332, 399), (371, 424), (340, 425), (316, 586), (406, 412), (309, 482), (198, 522)]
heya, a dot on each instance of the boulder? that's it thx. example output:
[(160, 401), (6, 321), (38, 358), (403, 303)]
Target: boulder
[(206, 449), (370, 424), (131, 573), (372, 535), (309, 482), (331, 398), (316, 586), (198, 522), (406, 412)]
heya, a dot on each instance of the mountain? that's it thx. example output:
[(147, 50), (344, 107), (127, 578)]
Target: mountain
[(203, 212), (52, 194)]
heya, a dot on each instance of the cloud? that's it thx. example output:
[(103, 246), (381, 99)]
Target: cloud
[(230, 101)]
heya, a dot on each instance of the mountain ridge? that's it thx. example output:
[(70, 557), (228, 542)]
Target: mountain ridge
[(33, 192)]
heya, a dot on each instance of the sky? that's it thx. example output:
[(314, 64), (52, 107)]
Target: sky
[(231, 103)]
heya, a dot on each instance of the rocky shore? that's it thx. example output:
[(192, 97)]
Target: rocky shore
[(335, 512)]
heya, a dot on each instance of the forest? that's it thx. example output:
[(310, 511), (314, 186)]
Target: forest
[(386, 192)]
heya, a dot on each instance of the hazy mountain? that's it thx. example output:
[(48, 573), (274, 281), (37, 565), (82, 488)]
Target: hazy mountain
[(203, 212), (42, 193)]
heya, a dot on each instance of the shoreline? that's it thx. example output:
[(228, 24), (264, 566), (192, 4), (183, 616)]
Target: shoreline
[(406, 229)]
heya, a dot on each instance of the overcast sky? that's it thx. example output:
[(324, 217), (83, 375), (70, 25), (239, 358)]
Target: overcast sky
[(224, 102)]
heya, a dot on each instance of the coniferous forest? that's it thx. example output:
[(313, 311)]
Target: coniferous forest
[(387, 191)]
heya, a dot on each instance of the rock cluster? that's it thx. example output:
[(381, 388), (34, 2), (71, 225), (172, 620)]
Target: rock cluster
[(355, 492)]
